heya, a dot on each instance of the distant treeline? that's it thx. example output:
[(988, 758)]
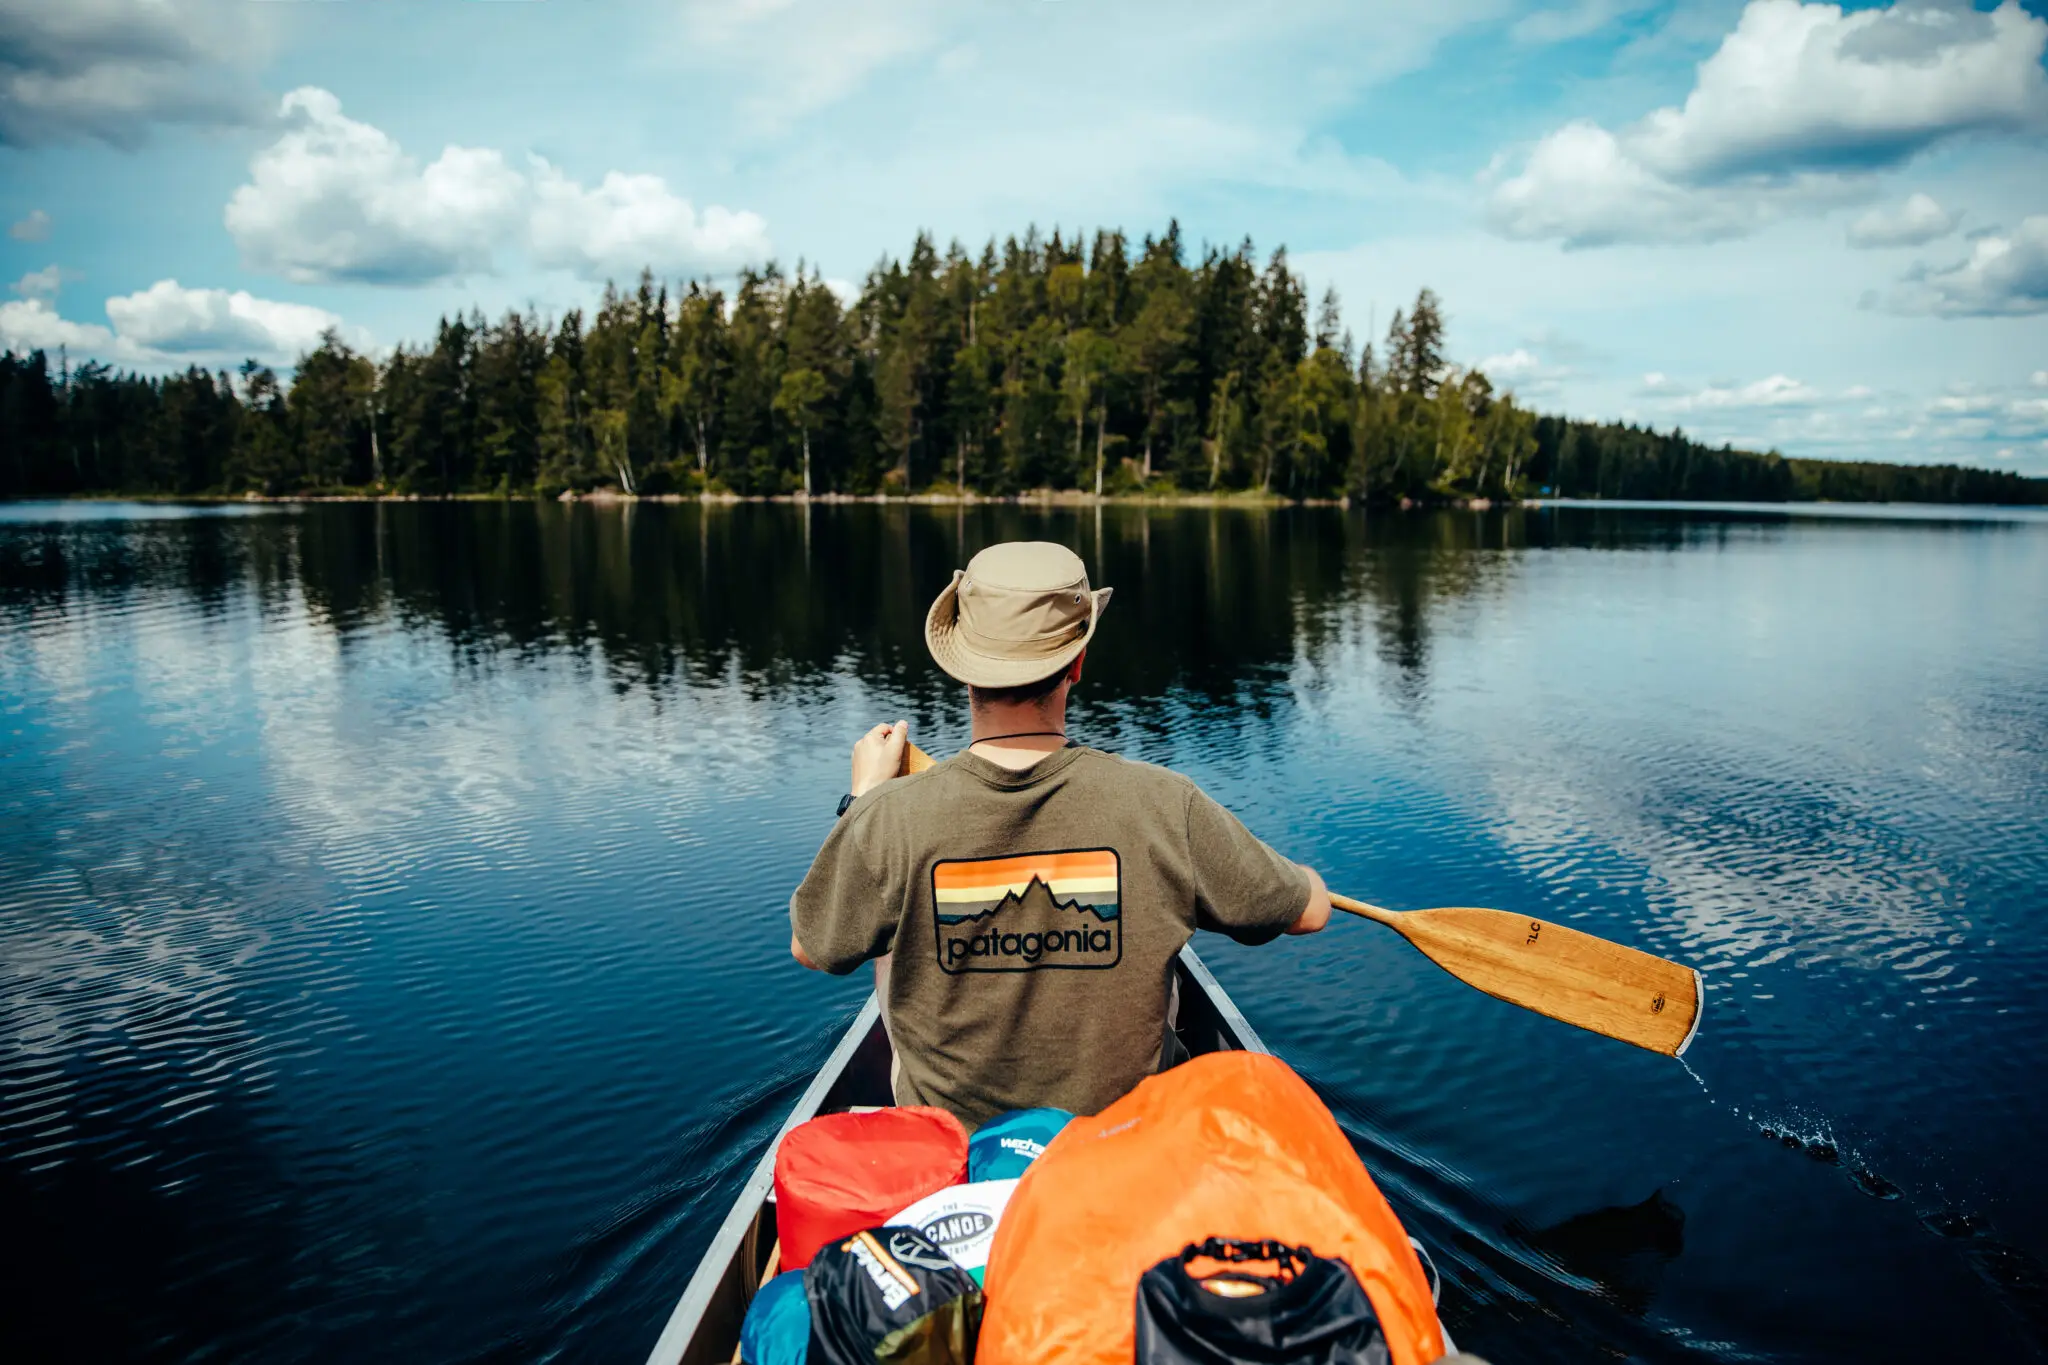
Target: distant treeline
[(1038, 364), (1613, 460)]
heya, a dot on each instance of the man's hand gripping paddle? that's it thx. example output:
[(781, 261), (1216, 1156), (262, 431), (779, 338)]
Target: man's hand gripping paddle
[(1564, 973)]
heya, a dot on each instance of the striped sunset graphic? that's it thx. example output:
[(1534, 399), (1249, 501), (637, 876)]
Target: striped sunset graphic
[(1088, 880)]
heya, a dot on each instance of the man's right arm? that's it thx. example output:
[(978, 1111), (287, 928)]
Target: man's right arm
[(844, 913), (822, 899)]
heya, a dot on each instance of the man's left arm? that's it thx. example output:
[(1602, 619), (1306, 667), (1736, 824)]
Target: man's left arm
[(1243, 887)]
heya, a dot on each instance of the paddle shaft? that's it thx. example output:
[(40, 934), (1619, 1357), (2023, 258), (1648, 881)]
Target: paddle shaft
[(1564, 973), (1366, 910)]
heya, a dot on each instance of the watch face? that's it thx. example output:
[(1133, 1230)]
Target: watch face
[(844, 802)]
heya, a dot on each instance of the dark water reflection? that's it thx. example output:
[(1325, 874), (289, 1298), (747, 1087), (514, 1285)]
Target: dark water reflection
[(390, 900)]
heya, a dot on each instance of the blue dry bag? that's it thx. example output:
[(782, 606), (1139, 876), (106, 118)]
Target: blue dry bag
[(1005, 1146), (778, 1326)]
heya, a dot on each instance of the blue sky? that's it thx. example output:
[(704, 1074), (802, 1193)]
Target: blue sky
[(1818, 228)]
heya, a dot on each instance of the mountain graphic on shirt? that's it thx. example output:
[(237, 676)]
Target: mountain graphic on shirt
[(1036, 895), (1027, 912)]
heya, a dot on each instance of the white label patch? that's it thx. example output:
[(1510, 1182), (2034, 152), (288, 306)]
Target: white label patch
[(961, 1219)]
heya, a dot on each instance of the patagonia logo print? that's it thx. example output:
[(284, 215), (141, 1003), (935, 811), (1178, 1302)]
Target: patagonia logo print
[(1029, 912)]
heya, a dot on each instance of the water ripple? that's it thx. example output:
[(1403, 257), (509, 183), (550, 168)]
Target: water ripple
[(392, 953)]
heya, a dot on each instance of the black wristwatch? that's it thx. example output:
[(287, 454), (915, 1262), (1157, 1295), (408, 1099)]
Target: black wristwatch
[(844, 802)]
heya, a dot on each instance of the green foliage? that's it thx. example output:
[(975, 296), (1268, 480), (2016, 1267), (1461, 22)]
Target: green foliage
[(1095, 364), (260, 457), (801, 401), (1855, 481)]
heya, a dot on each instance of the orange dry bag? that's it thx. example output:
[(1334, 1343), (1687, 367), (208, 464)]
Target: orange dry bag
[(1231, 1144)]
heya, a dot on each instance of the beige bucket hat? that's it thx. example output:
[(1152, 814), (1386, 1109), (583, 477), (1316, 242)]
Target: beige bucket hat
[(1017, 614)]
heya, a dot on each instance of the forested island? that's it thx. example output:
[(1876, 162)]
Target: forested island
[(1041, 364)]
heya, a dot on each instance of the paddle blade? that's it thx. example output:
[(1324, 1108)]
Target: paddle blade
[(915, 760), (1571, 976)]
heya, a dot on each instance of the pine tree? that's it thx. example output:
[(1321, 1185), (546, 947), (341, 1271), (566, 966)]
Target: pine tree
[(1329, 322), (1424, 364), (1400, 353)]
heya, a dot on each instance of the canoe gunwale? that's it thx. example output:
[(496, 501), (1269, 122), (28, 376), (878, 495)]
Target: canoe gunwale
[(1208, 1008), (735, 1245)]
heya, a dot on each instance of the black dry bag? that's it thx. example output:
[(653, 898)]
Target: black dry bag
[(890, 1296), (1309, 1310)]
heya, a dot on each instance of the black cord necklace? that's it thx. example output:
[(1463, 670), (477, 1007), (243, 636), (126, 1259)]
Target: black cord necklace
[(1021, 734)]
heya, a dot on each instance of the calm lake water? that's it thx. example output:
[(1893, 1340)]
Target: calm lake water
[(392, 900)]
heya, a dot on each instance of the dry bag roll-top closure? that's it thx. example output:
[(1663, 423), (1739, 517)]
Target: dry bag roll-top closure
[(1233, 1302)]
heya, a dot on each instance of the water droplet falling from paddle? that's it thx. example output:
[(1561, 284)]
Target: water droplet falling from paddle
[(1697, 1077)]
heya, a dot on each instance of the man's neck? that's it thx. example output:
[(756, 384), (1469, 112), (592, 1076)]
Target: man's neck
[(1018, 736)]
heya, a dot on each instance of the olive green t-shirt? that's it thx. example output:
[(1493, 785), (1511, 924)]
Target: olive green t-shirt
[(1033, 919)]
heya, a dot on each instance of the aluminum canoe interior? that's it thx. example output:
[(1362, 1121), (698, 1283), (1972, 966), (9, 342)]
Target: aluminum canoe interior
[(704, 1329)]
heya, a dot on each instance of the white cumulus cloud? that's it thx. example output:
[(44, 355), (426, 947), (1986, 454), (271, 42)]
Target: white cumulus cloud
[(33, 324), (35, 227), (335, 199), (1582, 185), (634, 221), (1916, 222), (108, 69), (166, 326), (2005, 275), (173, 320), (1794, 112), (1808, 87)]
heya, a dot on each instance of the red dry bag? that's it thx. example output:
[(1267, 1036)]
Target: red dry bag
[(841, 1173)]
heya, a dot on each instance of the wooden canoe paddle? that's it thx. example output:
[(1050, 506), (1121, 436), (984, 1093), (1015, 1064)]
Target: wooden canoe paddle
[(1564, 973)]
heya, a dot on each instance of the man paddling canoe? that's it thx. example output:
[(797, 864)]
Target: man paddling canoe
[(1025, 899)]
